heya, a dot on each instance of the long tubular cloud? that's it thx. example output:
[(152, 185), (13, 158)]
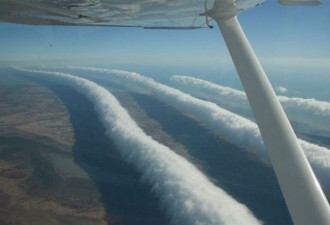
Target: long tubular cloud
[(188, 196), (312, 106), (313, 113), (234, 128)]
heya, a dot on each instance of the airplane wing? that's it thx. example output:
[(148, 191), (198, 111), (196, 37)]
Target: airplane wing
[(167, 14)]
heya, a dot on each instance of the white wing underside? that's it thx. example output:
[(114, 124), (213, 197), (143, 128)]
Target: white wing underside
[(171, 14)]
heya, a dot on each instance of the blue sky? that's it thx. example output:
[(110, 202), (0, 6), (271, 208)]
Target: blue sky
[(288, 31), (288, 40), (273, 30)]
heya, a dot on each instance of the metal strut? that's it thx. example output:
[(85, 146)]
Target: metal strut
[(206, 16), (304, 197)]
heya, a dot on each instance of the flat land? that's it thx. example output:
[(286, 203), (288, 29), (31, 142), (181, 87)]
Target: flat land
[(39, 180)]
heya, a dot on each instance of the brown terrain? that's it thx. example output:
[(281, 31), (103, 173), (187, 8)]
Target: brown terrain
[(36, 140), (40, 180)]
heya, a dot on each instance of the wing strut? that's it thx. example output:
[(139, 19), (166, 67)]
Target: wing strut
[(304, 197)]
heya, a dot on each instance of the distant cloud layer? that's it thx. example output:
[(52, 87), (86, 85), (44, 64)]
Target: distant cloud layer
[(309, 115), (188, 196), (311, 106), (234, 128)]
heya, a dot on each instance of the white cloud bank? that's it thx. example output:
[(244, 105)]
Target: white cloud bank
[(311, 106), (188, 196), (234, 128)]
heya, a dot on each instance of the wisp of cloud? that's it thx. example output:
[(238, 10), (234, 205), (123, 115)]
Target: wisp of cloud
[(188, 195), (281, 89), (236, 129)]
